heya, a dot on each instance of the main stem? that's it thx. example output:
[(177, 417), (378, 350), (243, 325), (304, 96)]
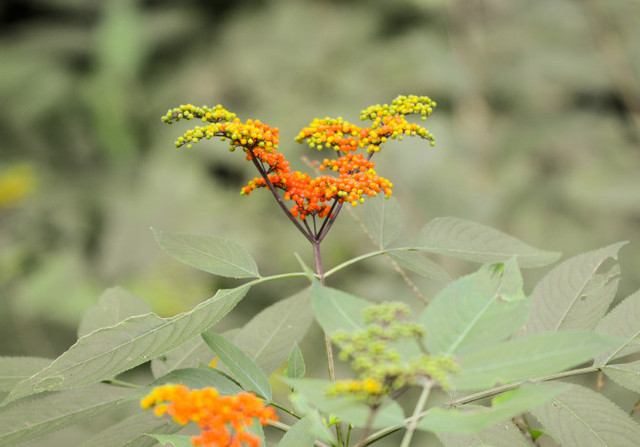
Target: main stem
[(327, 340)]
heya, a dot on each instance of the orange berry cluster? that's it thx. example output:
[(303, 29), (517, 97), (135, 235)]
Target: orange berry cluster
[(356, 177), (213, 413)]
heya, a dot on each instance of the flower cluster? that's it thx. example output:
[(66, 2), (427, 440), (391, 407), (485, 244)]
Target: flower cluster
[(382, 369), (351, 176), (213, 413)]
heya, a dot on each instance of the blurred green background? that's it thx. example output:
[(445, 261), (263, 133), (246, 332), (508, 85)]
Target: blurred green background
[(537, 127)]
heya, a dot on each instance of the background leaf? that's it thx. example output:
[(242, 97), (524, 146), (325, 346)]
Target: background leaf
[(622, 322), (242, 367), (416, 262), (269, 336), (572, 295), (300, 435), (336, 310), (212, 254), (132, 431), (113, 306), (580, 416), (172, 440), (187, 355), (16, 369), (502, 434), (503, 407), (295, 365), (107, 352), (625, 374), (475, 310), (478, 243), (39, 415), (383, 220), (527, 358)]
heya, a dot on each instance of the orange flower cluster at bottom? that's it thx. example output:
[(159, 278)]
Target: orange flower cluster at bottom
[(213, 413)]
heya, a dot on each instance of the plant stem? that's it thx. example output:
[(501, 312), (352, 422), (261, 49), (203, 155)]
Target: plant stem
[(327, 340), (477, 396), (272, 188), (422, 401)]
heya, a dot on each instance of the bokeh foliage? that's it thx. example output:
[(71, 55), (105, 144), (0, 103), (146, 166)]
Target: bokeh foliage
[(538, 130)]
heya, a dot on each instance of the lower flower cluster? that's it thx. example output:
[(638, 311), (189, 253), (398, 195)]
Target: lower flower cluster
[(223, 419)]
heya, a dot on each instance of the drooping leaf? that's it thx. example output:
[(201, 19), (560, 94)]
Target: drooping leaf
[(527, 358), (478, 243), (573, 296), (269, 336), (209, 253), (475, 310), (37, 416), (383, 220), (132, 431), (336, 310), (622, 322), (295, 365), (242, 367), (172, 440), (502, 434), (107, 352), (416, 262), (580, 416), (475, 418), (16, 369), (113, 306), (299, 435), (625, 374), (352, 411)]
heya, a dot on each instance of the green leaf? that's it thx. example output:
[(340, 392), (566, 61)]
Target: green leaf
[(350, 410), (195, 379), (572, 296), (416, 262), (299, 435), (295, 365), (502, 434), (474, 418), (188, 355), (484, 307), (382, 219), (622, 322), (16, 369), (242, 367), (39, 415), (172, 440), (209, 253), (625, 374), (113, 306), (582, 417), (478, 243), (132, 431), (269, 336), (336, 310), (528, 358), (104, 353)]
